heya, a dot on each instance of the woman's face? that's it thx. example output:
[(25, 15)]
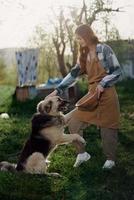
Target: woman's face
[(81, 41)]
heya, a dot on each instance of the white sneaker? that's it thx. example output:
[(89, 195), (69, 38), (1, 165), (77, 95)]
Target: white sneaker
[(81, 157), (109, 164)]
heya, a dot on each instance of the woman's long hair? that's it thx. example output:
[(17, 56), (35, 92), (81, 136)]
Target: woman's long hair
[(89, 36)]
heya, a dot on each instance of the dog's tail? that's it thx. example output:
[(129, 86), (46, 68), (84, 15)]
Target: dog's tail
[(6, 166)]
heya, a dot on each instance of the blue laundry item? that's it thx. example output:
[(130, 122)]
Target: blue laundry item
[(54, 81), (51, 83)]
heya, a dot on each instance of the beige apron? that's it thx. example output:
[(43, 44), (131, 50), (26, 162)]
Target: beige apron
[(107, 113)]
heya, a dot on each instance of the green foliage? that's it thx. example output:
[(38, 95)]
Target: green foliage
[(87, 182), (121, 48), (47, 67), (8, 75), (2, 70)]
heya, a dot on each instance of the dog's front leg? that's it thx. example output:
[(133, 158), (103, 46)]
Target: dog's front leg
[(69, 138), (68, 116)]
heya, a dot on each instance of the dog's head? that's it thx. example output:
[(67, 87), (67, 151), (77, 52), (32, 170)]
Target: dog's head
[(52, 105)]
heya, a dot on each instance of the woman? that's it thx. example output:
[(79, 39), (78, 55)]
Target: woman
[(99, 62)]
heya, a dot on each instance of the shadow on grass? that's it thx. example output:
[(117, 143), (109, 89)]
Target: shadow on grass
[(21, 186)]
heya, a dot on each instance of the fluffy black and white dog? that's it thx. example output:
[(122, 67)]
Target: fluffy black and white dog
[(47, 133)]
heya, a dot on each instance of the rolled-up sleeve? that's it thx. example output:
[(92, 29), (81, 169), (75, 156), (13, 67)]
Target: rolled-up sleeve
[(69, 79), (111, 66)]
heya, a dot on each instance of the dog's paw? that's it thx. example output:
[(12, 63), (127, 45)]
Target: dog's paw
[(80, 139)]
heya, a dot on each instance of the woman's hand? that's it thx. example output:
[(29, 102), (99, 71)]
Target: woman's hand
[(54, 93), (99, 90)]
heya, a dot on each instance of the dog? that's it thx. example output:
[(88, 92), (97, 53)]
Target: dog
[(47, 133)]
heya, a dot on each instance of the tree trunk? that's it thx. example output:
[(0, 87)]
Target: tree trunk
[(62, 66)]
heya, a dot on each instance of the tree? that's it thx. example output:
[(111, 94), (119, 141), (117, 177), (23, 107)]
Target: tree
[(59, 40), (64, 29), (63, 43), (47, 56)]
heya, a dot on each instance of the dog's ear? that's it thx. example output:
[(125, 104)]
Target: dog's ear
[(39, 107), (48, 106)]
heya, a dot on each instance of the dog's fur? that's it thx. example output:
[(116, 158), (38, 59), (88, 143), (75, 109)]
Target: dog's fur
[(47, 133)]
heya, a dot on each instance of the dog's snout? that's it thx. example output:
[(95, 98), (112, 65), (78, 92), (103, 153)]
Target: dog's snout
[(64, 102), (68, 102)]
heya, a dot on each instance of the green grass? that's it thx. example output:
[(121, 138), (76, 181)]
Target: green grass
[(89, 181)]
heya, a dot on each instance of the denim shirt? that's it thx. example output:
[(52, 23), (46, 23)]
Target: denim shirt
[(107, 59)]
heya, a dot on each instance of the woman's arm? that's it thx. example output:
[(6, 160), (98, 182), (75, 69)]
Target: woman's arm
[(69, 79), (111, 65)]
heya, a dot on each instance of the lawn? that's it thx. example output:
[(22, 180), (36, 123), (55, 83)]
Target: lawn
[(87, 182)]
